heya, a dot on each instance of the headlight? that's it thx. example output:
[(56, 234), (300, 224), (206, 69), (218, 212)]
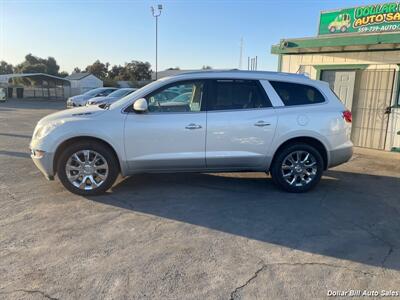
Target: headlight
[(42, 130)]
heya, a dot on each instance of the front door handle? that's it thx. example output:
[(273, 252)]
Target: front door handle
[(262, 124), (193, 126)]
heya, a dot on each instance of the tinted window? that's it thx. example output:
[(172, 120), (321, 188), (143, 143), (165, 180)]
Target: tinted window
[(179, 97), (297, 94), (237, 94)]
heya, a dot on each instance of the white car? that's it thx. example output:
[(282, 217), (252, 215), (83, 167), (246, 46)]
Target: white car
[(285, 124), (3, 94), (114, 96), (80, 100)]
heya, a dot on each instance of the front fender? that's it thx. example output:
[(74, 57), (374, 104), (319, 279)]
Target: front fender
[(111, 134)]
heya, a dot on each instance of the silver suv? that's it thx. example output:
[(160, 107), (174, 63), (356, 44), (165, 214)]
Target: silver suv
[(285, 124)]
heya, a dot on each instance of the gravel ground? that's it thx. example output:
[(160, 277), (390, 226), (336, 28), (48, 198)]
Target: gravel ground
[(193, 236)]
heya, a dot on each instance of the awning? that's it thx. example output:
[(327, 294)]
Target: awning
[(338, 43)]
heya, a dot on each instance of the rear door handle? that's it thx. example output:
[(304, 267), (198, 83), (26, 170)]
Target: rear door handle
[(262, 124), (193, 126)]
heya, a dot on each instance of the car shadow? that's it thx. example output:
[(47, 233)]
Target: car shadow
[(348, 216)]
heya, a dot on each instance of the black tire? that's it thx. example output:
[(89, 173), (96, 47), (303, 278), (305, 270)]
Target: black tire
[(105, 151), (332, 29), (277, 173), (343, 28)]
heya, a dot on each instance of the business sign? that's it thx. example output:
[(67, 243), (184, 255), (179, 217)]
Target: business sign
[(362, 19)]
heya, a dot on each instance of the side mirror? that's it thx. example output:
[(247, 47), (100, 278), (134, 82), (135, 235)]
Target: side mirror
[(140, 105)]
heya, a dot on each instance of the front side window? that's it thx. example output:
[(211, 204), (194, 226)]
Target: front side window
[(297, 94), (179, 97), (232, 94)]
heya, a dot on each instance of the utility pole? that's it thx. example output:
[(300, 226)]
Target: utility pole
[(241, 53), (156, 14)]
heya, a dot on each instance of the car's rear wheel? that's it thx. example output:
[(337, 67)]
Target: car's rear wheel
[(87, 168), (297, 168)]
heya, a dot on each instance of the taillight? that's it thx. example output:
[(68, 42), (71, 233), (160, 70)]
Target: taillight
[(347, 116)]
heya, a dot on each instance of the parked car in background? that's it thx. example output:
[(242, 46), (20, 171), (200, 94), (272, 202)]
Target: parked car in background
[(3, 94), (285, 124), (80, 100), (114, 96)]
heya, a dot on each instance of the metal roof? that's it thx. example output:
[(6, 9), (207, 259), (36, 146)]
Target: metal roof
[(6, 77), (340, 43)]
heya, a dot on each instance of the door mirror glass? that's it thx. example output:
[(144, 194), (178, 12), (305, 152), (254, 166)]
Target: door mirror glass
[(140, 105)]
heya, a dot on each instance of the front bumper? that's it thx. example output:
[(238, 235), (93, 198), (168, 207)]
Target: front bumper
[(70, 104), (44, 163)]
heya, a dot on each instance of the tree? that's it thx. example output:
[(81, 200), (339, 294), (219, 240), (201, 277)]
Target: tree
[(76, 70), (136, 71), (63, 74), (34, 64), (206, 67), (115, 72), (51, 66), (6, 68), (98, 69), (132, 71)]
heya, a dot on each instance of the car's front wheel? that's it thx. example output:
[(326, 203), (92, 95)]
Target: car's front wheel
[(297, 168), (87, 168)]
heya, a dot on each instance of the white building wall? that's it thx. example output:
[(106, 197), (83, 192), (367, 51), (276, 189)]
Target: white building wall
[(85, 84), (304, 63)]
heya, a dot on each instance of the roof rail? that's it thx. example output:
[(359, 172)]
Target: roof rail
[(242, 71)]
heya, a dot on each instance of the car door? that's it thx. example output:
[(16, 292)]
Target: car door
[(171, 134), (241, 124)]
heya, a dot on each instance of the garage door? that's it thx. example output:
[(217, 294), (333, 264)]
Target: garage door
[(368, 94), (372, 97), (342, 82)]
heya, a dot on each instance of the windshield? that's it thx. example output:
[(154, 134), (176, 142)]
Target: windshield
[(93, 92), (120, 92), (136, 92)]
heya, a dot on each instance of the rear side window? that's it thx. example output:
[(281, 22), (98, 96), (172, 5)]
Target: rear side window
[(297, 94), (232, 94)]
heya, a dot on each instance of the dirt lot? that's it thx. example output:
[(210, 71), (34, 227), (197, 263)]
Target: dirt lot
[(193, 236)]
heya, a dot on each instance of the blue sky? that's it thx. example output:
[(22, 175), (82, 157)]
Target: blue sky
[(191, 33)]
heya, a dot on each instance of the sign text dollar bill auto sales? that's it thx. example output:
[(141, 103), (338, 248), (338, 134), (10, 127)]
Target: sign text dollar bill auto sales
[(363, 19)]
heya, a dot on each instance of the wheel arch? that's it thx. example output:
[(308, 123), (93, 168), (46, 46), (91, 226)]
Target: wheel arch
[(312, 141), (75, 139)]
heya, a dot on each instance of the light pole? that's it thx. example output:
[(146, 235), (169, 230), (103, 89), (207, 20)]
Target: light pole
[(156, 14)]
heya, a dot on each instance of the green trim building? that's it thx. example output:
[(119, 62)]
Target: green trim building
[(363, 68)]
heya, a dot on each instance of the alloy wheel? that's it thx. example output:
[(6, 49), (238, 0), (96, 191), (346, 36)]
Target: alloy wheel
[(299, 168), (86, 169)]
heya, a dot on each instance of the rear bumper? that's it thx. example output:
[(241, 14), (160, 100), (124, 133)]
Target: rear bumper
[(340, 155), (44, 163)]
